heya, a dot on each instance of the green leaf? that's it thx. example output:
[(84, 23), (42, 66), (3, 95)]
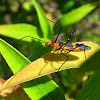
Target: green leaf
[(91, 91), (45, 27), (42, 88), (74, 16), (18, 31), (67, 5)]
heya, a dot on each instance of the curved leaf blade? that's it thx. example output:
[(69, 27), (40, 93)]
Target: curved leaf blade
[(36, 89), (74, 16), (45, 27), (50, 63), (18, 31)]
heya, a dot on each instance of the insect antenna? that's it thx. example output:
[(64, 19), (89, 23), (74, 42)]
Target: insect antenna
[(42, 41), (29, 57), (56, 24)]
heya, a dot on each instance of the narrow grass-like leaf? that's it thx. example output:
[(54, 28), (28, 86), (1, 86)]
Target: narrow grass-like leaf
[(74, 16), (41, 88), (45, 27)]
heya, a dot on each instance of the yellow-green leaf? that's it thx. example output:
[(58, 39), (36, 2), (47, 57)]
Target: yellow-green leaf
[(18, 31), (36, 89), (74, 16), (45, 27), (50, 63)]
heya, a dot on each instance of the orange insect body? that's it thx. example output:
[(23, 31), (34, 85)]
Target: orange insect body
[(55, 45), (68, 46)]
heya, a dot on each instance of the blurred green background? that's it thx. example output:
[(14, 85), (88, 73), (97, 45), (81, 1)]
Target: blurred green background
[(22, 11)]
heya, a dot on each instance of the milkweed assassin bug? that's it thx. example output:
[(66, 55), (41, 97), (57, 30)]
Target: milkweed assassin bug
[(66, 46)]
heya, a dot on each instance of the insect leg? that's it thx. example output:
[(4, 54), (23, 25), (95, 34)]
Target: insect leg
[(64, 61), (70, 37), (56, 24), (61, 51), (66, 56), (65, 50), (84, 53)]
